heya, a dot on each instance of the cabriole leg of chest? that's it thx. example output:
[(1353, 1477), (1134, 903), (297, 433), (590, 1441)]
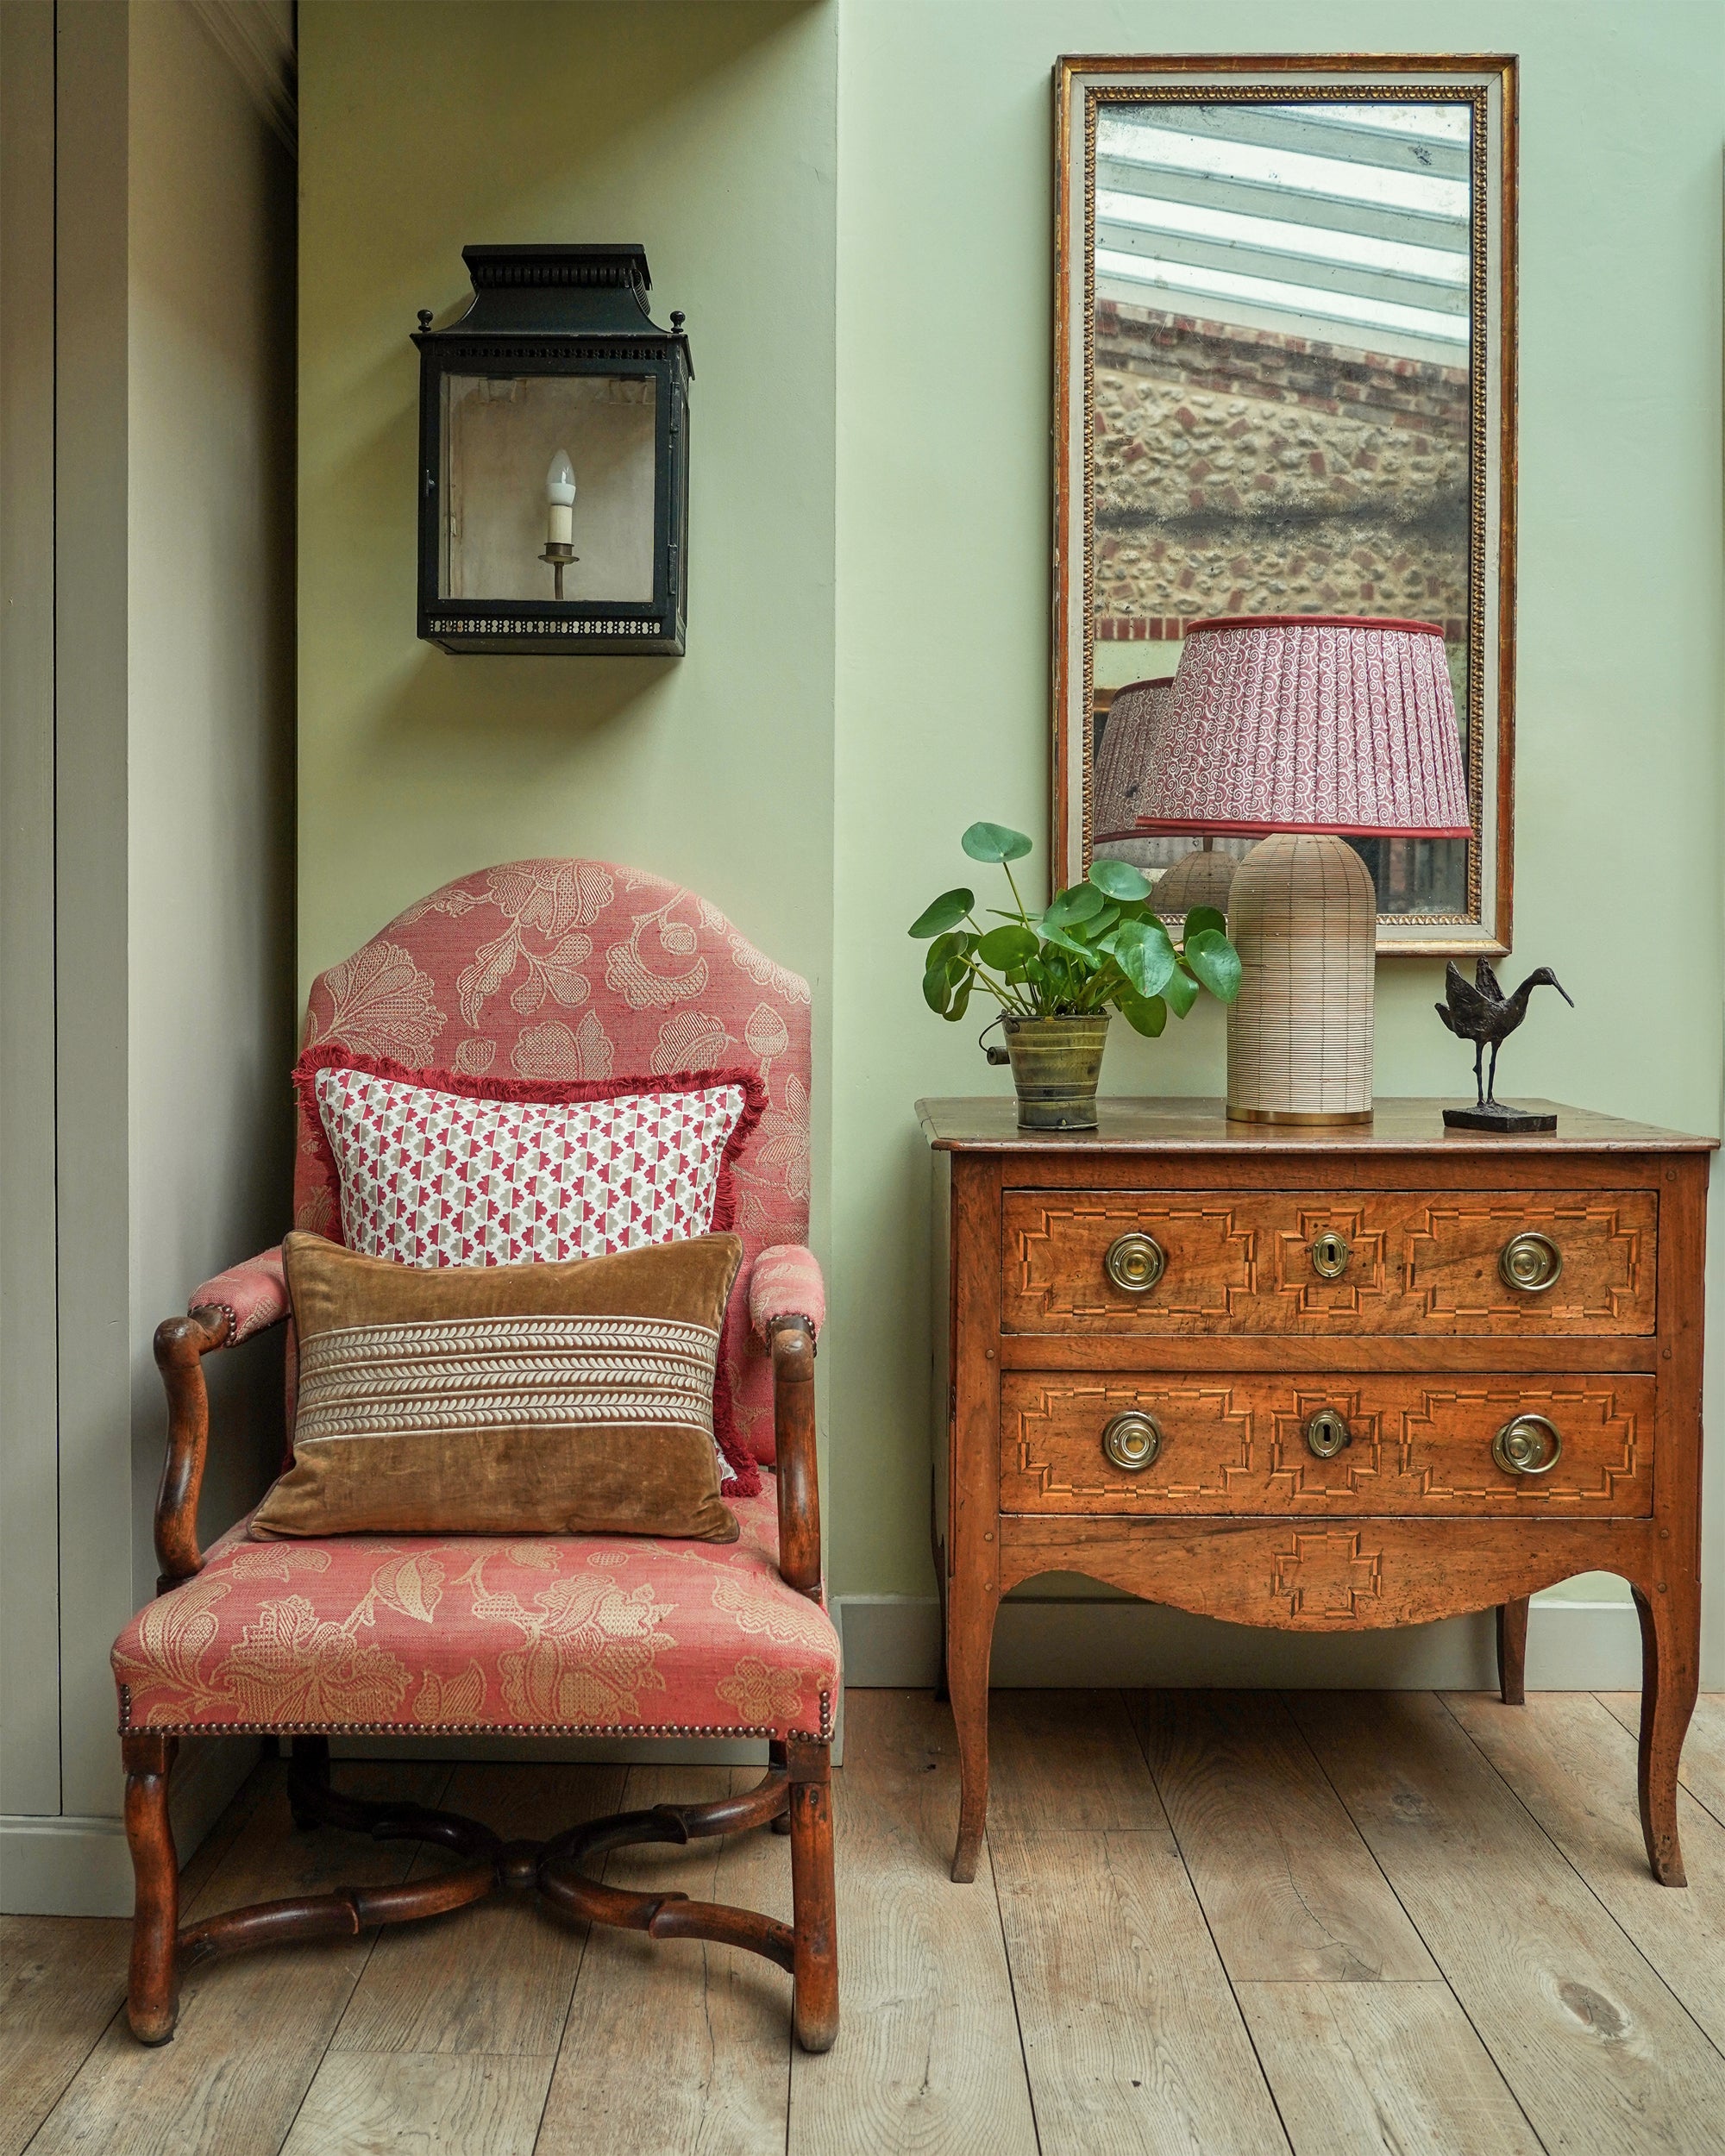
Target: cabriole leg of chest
[(1667, 1590), (972, 1587)]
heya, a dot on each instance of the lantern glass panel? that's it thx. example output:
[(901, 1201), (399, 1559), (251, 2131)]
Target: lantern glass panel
[(500, 435)]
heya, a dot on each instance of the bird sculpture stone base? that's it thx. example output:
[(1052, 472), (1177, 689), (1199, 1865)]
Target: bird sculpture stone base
[(1498, 1115)]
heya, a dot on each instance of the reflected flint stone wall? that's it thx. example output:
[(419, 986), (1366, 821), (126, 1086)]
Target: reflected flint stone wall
[(1241, 471)]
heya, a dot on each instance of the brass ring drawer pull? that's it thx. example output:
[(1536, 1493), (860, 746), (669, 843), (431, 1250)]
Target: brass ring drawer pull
[(1132, 1440), (1530, 1262), (1135, 1263), (1528, 1446), (1329, 1254), (1326, 1433)]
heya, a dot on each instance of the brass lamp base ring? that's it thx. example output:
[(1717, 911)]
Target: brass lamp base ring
[(1299, 1116)]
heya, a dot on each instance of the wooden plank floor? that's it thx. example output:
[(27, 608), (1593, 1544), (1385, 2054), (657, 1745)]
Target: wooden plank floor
[(1214, 1923)]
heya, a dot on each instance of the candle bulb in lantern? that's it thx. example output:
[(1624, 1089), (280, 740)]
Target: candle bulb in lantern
[(560, 500)]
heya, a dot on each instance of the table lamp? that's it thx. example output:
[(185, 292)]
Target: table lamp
[(1307, 729)]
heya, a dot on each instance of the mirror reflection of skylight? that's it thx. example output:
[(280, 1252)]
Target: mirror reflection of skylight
[(1303, 299), (1136, 142), (1320, 243), (1447, 123)]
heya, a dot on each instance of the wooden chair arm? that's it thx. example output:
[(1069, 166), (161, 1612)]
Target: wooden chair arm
[(181, 1344), (793, 1344)]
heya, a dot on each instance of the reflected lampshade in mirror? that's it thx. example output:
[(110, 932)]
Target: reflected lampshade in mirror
[(1125, 758), (1306, 730)]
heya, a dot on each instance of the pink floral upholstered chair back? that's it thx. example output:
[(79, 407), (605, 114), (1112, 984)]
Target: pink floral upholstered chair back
[(579, 969)]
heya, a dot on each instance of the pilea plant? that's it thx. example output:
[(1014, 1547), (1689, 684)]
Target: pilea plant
[(1097, 946)]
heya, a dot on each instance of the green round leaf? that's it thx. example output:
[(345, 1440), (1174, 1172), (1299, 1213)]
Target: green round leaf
[(1180, 991), (1204, 917), (1145, 1014), (1216, 962), (1144, 955), (947, 911), (1120, 879), (934, 990), (1008, 946), (1078, 903), (994, 842), (1062, 939), (953, 944)]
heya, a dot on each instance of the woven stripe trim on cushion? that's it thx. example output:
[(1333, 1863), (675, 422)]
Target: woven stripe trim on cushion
[(440, 1168), (464, 1634), (537, 1398)]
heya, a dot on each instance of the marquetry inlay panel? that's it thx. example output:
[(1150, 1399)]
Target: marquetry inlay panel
[(1417, 1260), (1333, 1575), (1419, 1446)]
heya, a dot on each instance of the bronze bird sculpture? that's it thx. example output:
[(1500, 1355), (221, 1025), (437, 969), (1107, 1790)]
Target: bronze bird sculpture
[(1480, 1011)]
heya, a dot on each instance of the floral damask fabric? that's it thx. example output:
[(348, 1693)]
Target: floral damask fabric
[(464, 1634), (787, 1283), (578, 970)]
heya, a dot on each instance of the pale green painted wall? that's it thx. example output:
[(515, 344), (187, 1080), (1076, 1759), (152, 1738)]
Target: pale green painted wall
[(884, 166), (944, 385), (706, 132)]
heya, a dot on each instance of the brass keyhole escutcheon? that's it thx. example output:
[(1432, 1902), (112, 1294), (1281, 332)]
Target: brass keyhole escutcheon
[(1329, 1254), (1135, 1263), (1528, 1446), (1327, 1433), (1530, 1262), (1132, 1440)]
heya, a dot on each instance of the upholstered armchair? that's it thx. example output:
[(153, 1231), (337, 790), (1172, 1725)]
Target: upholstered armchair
[(539, 969)]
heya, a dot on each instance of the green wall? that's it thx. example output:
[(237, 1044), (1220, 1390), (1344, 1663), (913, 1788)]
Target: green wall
[(853, 202), (707, 133)]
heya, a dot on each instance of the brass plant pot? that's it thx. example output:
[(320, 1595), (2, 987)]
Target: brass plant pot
[(1055, 1065)]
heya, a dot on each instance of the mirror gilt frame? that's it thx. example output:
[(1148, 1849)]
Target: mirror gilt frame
[(1083, 85)]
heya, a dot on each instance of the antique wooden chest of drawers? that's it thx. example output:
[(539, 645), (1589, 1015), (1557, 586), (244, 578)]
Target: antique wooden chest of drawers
[(1320, 1378)]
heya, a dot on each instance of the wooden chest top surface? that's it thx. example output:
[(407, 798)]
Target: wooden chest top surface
[(989, 1123)]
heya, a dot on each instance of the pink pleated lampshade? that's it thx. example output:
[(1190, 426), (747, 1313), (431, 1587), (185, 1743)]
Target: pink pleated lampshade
[(1309, 722), (1124, 760)]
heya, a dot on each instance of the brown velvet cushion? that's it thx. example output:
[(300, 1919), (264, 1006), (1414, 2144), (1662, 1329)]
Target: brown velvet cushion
[(544, 1399)]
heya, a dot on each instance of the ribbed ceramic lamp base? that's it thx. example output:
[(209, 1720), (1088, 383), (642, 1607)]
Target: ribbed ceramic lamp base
[(1303, 916)]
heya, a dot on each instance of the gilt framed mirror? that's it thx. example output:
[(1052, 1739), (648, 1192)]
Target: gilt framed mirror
[(1285, 383)]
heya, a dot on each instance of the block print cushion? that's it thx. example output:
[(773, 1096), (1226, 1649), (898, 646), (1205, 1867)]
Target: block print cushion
[(436, 1167), (538, 1399)]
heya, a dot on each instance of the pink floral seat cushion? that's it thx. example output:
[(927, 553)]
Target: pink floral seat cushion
[(580, 969), (460, 1635)]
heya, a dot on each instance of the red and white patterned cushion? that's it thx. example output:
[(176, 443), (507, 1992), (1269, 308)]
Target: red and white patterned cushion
[(429, 1179)]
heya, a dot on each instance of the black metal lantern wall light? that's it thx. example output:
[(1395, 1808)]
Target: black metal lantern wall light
[(553, 456)]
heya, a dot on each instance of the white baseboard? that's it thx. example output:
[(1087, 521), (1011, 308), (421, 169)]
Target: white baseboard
[(894, 1640), (73, 1865)]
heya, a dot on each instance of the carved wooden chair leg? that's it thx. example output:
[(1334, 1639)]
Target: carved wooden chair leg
[(776, 1760), (814, 1914), (1512, 1650), (308, 1781), (152, 1983)]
